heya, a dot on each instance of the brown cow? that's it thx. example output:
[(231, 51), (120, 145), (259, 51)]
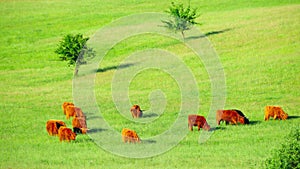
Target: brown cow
[(52, 126), (196, 120), (231, 116), (79, 124), (67, 134), (72, 111), (130, 136), (276, 112), (64, 106), (136, 111)]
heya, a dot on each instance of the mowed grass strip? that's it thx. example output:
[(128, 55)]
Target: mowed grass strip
[(258, 45)]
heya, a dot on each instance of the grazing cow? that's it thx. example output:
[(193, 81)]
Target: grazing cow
[(136, 111), (64, 106), (241, 114), (79, 124), (66, 134), (72, 111), (276, 112), (231, 116), (130, 136), (196, 120), (52, 126)]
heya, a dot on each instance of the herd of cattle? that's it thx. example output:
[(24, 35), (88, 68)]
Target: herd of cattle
[(59, 128)]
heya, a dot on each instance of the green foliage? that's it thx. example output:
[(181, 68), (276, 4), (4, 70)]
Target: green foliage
[(288, 156), (72, 48), (182, 18)]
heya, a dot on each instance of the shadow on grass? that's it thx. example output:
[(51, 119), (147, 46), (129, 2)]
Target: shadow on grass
[(149, 141), (96, 130), (209, 34), (149, 115), (254, 122), (114, 67), (217, 128), (293, 117)]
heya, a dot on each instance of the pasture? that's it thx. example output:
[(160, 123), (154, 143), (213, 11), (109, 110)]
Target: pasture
[(258, 46)]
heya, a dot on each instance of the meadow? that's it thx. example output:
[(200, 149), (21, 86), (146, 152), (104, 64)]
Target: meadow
[(258, 46)]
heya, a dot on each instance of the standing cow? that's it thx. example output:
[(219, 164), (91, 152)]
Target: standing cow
[(196, 120), (65, 104), (66, 134), (52, 126), (72, 111), (130, 136), (276, 112), (79, 124), (231, 116), (136, 111)]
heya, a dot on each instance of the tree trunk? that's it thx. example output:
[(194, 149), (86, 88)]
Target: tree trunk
[(183, 36), (76, 71)]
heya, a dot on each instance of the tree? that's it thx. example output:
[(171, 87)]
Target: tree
[(182, 18), (73, 48)]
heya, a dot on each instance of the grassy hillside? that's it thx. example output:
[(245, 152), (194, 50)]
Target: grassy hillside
[(258, 45)]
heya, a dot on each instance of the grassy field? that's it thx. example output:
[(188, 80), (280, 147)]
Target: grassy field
[(258, 45)]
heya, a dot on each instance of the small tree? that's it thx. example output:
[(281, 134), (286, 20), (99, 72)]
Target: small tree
[(182, 18), (72, 48)]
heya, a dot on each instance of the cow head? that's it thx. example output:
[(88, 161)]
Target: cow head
[(246, 120), (283, 116), (73, 136), (241, 120), (206, 126)]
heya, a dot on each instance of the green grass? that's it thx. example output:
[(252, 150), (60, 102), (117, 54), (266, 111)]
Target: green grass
[(258, 48)]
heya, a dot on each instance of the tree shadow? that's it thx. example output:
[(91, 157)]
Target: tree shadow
[(122, 66), (209, 34), (96, 130)]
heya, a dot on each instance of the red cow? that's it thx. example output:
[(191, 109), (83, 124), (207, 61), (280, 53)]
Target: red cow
[(231, 116), (276, 112), (130, 136), (64, 106), (52, 126), (72, 111), (136, 111), (66, 134), (79, 124), (196, 120)]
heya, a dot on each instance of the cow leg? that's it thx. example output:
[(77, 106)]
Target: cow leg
[(190, 126)]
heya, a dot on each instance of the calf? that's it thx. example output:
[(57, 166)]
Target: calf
[(66, 134), (130, 136), (52, 126), (64, 106), (231, 116), (136, 111), (196, 120), (72, 111), (79, 124), (276, 112)]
